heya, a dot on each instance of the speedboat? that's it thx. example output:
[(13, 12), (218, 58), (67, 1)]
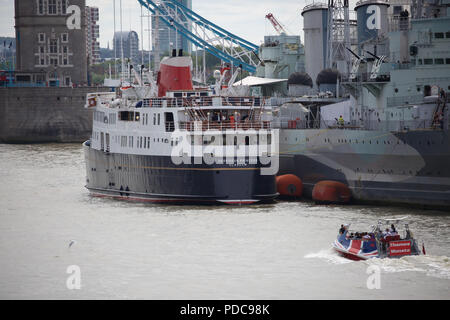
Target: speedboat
[(377, 243)]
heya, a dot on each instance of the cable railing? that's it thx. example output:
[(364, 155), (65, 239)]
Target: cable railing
[(181, 102), (224, 125)]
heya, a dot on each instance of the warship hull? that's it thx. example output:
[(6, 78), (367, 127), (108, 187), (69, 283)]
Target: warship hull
[(407, 168), (150, 178)]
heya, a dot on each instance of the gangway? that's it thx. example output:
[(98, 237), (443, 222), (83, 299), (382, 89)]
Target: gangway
[(204, 34)]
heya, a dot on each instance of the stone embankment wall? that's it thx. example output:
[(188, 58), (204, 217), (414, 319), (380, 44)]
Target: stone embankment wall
[(39, 115)]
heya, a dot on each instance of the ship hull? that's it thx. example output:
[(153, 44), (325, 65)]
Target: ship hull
[(407, 168), (149, 178)]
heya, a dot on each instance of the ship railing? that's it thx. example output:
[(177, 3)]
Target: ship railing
[(395, 23), (222, 126), (295, 124), (181, 102)]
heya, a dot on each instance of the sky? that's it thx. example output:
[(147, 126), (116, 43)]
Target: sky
[(244, 18)]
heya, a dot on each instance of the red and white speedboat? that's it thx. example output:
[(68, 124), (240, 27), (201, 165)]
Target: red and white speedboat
[(378, 243)]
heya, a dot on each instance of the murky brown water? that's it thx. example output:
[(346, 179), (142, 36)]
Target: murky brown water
[(128, 250)]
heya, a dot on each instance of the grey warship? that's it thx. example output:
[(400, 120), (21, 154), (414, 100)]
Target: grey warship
[(389, 143)]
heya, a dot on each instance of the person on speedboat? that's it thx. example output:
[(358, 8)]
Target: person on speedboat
[(367, 237), (393, 231)]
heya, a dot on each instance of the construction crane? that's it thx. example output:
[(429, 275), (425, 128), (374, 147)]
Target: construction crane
[(276, 24), (205, 34)]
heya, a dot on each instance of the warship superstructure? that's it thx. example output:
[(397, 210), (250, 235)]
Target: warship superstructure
[(389, 142)]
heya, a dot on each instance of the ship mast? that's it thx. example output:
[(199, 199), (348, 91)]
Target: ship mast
[(338, 36)]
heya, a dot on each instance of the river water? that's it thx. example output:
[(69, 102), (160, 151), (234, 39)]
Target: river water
[(123, 250)]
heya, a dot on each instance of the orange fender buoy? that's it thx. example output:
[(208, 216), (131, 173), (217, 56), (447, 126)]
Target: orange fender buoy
[(331, 192), (289, 185)]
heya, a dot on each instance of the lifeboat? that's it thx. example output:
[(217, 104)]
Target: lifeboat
[(327, 192), (289, 185), (377, 243)]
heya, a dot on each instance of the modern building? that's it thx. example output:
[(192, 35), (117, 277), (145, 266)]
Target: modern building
[(170, 39), (129, 42), (92, 34), (51, 41)]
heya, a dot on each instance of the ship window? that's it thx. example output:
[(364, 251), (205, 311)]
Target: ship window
[(148, 143), (419, 61), (439, 61), (447, 61), (169, 121), (154, 119), (447, 34), (129, 116), (145, 142), (427, 61), (159, 119), (439, 35)]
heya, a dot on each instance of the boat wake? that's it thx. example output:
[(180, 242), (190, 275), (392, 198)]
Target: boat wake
[(433, 266), (329, 255)]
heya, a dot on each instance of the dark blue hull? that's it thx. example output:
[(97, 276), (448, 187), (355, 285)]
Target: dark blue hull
[(157, 179)]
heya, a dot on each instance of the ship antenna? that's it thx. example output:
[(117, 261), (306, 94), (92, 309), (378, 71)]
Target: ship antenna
[(121, 44), (115, 41)]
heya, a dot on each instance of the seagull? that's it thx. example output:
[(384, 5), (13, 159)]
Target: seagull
[(71, 243)]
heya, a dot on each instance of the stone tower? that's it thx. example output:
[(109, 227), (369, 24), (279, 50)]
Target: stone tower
[(51, 40)]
